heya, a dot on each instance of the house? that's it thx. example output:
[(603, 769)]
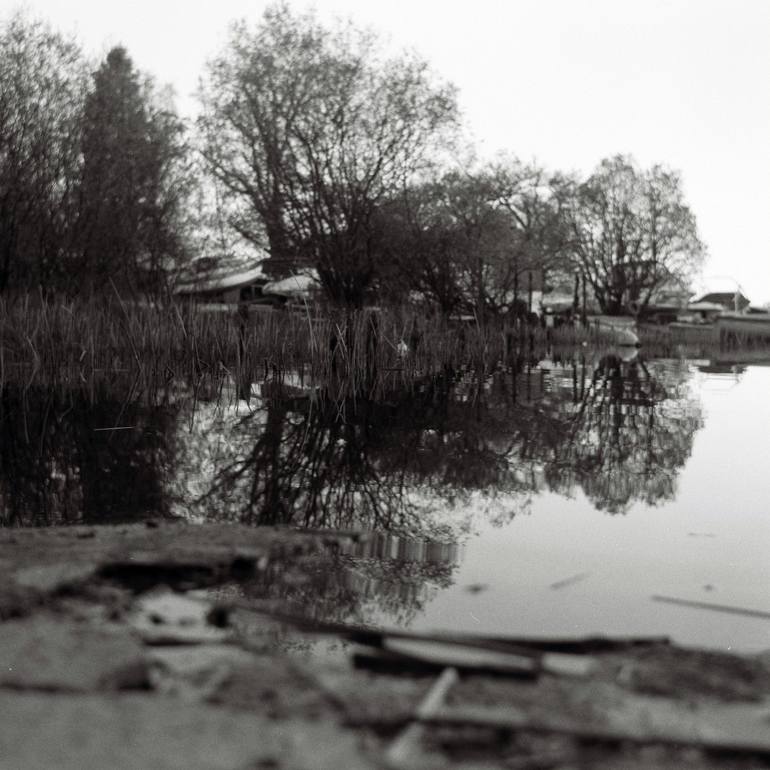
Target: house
[(701, 312), (301, 286), (214, 280), (727, 300)]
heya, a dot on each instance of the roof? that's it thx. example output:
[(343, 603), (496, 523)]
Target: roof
[(557, 301), (725, 298), (221, 279), (292, 286), (705, 307)]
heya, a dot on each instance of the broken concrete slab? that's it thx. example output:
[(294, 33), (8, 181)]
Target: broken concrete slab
[(52, 653), (58, 576), (296, 703), (278, 687), (135, 732)]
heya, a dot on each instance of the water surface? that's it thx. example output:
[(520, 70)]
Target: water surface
[(548, 498)]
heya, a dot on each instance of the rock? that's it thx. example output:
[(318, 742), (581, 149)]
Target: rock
[(166, 617)]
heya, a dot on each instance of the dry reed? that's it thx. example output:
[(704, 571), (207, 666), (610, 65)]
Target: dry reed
[(369, 352)]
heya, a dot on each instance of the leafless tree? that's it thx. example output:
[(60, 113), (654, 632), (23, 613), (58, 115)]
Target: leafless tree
[(310, 130), (633, 232)]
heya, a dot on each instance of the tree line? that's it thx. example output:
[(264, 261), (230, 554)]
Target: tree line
[(317, 147)]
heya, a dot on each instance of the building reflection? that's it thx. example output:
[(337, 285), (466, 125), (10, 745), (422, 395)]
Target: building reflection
[(619, 430)]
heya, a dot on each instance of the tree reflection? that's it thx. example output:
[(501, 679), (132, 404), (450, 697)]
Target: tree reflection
[(400, 467), (618, 430), (621, 433), (80, 457), (385, 465)]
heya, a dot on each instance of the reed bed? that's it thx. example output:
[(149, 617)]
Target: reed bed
[(685, 341), (69, 342), (368, 352)]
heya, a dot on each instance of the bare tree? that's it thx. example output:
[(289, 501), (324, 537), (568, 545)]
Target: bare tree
[(633, 232), (310, 130)]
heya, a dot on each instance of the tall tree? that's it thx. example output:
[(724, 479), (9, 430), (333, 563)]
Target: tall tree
[(632, 233), (42, 84), (134, 179), (310, 130)]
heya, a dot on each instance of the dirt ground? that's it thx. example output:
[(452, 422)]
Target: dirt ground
[(128, 647)]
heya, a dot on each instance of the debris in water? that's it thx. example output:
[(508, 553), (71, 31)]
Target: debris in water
[(715, 607), (569, 580)]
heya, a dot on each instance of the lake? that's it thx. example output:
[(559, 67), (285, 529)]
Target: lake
[(552, 497)]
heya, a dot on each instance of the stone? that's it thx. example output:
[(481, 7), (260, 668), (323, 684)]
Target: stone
[(165, 617)]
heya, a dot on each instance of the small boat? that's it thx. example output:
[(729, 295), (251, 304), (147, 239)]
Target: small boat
[(615, 330)]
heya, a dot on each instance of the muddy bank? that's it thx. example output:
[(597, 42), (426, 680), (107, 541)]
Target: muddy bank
[(166, 645)]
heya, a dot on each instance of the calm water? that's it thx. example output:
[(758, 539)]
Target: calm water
[(555, 498)]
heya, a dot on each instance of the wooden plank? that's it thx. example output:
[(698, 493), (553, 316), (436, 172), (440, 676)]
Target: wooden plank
[(721, 729), (405, 742)]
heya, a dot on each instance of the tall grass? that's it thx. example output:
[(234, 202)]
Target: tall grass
[(368, 352), (682, 341), (66, 342)]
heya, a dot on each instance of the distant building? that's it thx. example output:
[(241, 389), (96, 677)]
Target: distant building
[(702, 312), (214, 280), (300, 286), (727, 300), (220, 281)]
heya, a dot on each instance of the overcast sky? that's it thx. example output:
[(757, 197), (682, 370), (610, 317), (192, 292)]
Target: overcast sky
[(685, 83)]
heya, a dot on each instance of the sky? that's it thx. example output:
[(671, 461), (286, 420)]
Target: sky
[(684, 83)]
